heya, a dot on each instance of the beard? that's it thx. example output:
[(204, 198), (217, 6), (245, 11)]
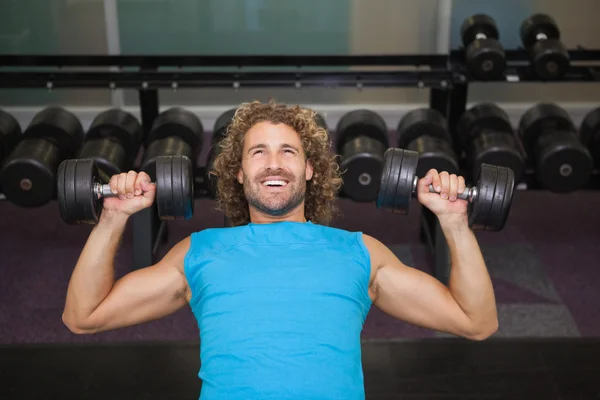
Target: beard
[(275, 203)]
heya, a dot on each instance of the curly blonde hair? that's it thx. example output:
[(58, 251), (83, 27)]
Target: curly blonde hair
[(321, 190)]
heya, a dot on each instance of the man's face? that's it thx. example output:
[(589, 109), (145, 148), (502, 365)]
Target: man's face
[(274, 168)]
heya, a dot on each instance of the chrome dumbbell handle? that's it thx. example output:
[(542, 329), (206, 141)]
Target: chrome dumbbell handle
[(469, 194)]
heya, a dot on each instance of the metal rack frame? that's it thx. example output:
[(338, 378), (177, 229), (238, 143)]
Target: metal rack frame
[(445, 75)]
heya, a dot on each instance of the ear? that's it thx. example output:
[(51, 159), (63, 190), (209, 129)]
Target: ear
[(309, 170), (240, 176)]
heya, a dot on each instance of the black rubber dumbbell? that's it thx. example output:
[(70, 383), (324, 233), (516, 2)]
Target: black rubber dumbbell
[(175, 132), (28, 176), (485, 132), (484, 53), (362, 138), (548, 55), (425, 131), (113, 142), (590, 133), (562, 162), (219, 132), (10, 130)]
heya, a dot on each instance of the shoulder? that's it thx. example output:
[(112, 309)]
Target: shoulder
[(380, 254)]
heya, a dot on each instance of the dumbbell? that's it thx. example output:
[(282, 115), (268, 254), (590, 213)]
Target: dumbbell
[(484, 54), (362, 138), (562, 163), (590, 133), (541, 38), (175, 132), (489, 200), (28, 175), (10, 130), (425, 131), (112, 141), (219, 132), (485, 132), (80, 191)]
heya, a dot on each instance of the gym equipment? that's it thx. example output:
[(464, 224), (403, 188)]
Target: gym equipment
[(80, 192), (424, 130), (548, 55), (590, 133), (175, 132), (484, 55), (219, 131), (321, 121), (28, 175), (10, 130), (562, 162), (113, 142), (361, 142), (486, 133), (489, 200)]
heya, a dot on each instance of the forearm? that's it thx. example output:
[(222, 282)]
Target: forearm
[(93, 276), (470, 282)]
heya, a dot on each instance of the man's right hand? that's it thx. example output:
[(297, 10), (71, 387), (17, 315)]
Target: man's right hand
[(135, 192)]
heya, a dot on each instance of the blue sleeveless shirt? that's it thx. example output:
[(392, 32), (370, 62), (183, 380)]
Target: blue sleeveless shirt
[(280, 309)]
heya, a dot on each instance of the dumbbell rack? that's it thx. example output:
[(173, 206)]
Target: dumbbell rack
[(445, 75)]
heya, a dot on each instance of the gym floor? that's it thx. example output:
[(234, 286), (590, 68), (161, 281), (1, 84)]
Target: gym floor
[(544, 266)]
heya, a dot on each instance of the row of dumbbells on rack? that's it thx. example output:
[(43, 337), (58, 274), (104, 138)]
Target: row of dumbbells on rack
[(546, 142), (546, 146), (485, 56)]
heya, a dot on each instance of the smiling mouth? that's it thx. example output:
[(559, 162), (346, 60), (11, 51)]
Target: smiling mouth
[(275, 183)]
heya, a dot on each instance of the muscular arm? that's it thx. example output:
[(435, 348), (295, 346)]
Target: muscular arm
[(95, 302), (466, 307)]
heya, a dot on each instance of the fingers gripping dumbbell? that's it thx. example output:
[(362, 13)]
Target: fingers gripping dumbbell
[(424, 130), (362, 138), (562, 163), (28, 175), (484, 54), (548, 55), (489, 200), (80, 191), (486, 133)]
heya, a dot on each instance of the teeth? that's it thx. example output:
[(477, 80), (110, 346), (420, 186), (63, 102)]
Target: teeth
[(274, 183)]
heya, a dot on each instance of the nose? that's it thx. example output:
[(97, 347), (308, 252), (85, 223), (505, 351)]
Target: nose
[(274, 161)]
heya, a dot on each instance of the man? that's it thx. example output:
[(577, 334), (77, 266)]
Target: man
[(280, 297)]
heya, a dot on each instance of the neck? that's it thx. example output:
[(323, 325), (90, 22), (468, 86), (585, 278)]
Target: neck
[(296, 215)]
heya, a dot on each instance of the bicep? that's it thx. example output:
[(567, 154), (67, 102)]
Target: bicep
[(145, 295), (415, 297)]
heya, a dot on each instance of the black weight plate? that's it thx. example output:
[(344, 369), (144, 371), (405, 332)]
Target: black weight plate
[(119, 125), (508, 198), (60, 126), (497, 149), (88, 206), (28, 174), (535, 24), (389, 179), (422, 121), (478, 210), (187, 179), (434, 153), (486, 59), (550, 59), (220, 128), (404, 189), (321, 121), (109, 156), (541, 118), (495, 213), (590, 132), (164, 188), (10, 131), (65, 196), (478, 23), (171, 146), (362, 163), (483, 116), (181, 123), (361, 123), (502, 200), (563, 164)]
